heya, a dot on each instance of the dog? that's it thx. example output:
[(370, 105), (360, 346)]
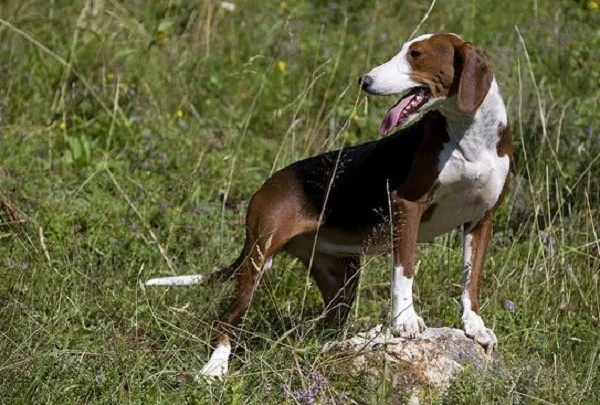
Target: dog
[(445, 166)]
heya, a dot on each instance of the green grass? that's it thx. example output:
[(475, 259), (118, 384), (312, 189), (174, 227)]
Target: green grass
[(133, 133)]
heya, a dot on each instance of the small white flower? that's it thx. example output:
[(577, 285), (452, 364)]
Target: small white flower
[(227, 5)]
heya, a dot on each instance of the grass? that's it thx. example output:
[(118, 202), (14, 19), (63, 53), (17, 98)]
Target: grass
[(133, 133)]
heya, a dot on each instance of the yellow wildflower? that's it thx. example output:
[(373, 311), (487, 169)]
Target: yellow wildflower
[(62, 125), (280, 66), (179, 114), (593, 5)]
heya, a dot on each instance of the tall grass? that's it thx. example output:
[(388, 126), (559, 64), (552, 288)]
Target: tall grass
[(132, 135)]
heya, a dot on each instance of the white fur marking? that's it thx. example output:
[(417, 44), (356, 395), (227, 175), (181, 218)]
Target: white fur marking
[(405, 321), (475, 328), (218, 363), (422, 37), (472, 175), (467, 266), (393, 77), (268, 264), (177, 281)]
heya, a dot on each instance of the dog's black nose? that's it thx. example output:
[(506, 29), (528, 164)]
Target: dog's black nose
[(365, 81)]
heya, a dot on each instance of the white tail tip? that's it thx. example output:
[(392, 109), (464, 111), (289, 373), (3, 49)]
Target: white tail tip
[(177, 281)]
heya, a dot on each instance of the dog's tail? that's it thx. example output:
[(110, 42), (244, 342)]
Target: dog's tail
[(223, 274), (177, 281)]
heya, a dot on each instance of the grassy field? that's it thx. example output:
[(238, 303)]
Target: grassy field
[(133, 133)]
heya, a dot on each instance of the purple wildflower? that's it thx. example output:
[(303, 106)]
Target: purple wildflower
[(308, 396), (509, 306)]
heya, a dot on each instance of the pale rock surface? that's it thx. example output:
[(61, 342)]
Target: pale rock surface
[(419, 367)]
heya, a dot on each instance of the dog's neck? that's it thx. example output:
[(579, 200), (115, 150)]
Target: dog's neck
[(477, 133)]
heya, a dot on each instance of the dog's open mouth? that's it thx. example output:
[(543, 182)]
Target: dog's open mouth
[(408, 105)]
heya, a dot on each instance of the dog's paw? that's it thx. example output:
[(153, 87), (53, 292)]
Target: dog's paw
[(408, 324), (212, 369), (218, 364), (476, 330)]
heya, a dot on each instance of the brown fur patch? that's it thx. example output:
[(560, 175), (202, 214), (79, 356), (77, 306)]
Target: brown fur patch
[(447, 65), (422, 179), (475, 78), (432, 61), (481, 237), (504, 148)]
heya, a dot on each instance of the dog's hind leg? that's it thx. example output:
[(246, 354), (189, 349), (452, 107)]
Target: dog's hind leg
[(337, 279), (247, 278), (276, 214)]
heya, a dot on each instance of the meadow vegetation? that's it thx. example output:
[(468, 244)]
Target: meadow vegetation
[(133, 133)]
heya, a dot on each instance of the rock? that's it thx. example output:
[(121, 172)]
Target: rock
[(420, 368)]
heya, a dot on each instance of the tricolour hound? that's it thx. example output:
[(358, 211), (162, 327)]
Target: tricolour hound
[(447, 167)]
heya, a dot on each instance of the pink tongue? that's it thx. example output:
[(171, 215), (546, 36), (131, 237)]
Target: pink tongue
[(392, 118)]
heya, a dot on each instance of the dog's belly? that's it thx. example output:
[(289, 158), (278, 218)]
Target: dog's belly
[(334, 242), (466, 191), (449, 213)]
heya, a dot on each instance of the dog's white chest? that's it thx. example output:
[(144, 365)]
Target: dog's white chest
[(467, 189)]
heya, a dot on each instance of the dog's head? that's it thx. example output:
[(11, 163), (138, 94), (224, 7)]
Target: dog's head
[(433, 71)]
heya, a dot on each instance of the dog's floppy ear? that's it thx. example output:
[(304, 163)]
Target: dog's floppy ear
[(475, 78)]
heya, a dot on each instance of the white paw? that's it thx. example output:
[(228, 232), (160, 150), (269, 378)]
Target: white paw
[(408, 324), (218, 363), (475, 329)]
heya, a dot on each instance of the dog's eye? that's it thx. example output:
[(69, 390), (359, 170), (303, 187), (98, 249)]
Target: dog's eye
[(414, 53)]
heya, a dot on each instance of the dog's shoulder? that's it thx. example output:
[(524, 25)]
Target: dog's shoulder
[(355, 181)]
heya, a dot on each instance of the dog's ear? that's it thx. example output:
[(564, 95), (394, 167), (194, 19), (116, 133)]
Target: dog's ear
[(475, 78)]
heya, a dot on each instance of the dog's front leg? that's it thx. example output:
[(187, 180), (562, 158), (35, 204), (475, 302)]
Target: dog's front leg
[(406, 217), (476, 238)]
